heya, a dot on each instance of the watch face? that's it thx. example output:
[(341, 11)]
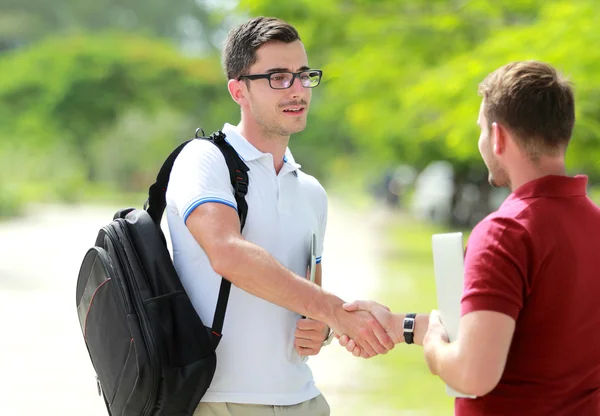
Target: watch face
[(408, 324)]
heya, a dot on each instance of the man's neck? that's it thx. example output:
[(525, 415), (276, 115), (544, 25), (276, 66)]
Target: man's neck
[(546, 166), (276, 145)]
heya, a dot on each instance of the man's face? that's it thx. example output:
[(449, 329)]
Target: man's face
[(497, 176), (279, 112)]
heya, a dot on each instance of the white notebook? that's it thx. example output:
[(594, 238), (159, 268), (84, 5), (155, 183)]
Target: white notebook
[(312, 267), (448, 265)]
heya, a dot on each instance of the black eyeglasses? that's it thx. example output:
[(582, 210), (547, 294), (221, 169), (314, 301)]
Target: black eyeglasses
[(283, 80)]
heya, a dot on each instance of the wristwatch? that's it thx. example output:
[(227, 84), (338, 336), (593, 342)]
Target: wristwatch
[(329, 338), (409, 328)]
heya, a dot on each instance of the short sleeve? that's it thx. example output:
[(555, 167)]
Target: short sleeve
[(199, 175), (496, 267)]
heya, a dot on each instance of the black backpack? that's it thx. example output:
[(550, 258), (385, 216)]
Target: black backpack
[(152, 353)]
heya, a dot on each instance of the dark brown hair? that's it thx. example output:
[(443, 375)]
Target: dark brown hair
[(534, 101), (242, 42)]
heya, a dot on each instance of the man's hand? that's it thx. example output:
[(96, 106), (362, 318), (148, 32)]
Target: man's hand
[(310, 336), (365, 331), (380, 312), (436, 335)]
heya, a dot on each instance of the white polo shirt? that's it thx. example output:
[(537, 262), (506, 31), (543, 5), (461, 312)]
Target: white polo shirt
[(256, 359)]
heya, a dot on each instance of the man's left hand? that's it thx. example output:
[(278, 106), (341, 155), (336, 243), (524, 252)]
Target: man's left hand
[(436, 335), (310, 336)]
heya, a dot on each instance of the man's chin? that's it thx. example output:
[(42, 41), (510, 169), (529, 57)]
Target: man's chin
[(293, 129), (495, 183)]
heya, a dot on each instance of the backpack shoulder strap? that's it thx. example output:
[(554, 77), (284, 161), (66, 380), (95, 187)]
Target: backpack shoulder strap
[(238, 174), (156, 202)]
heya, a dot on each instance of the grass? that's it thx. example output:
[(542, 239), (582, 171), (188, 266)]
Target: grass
[(404, 384)]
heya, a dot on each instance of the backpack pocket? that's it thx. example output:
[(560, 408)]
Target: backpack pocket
[(106, 320)]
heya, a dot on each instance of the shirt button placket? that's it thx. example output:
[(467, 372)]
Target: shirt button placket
[(279, 194)]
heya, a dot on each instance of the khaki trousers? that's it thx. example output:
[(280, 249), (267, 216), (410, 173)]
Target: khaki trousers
[(315, 407)]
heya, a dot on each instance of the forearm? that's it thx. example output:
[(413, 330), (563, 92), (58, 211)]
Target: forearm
[(421, 324), (448, 364), (254, 270), (473, 363)]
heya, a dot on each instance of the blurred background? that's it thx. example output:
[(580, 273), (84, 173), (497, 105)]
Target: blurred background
[(94, 94)]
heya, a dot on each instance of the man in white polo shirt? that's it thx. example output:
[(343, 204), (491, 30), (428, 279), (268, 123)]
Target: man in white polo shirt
[(260, 365)]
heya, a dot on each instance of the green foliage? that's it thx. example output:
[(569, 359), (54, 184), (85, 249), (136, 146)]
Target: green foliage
[(400, 83), (22, 22), (11, 201), (595, 196), (81, 84), (441, 110), (69, 93), (133, 150), (400, 77)]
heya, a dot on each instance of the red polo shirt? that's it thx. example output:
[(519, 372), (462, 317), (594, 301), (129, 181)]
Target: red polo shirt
[(537, 260)]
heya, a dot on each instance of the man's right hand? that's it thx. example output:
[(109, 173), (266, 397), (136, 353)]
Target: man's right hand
[(380, 312), (366, 331)]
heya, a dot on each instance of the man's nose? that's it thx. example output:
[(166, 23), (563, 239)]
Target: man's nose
[(297, 89)]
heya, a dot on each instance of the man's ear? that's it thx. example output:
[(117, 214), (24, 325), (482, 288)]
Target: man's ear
[(237, 90), (499, 137)]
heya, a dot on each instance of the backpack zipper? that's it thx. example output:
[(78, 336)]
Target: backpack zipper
[(102, 253), (99, 386), (154, 360)]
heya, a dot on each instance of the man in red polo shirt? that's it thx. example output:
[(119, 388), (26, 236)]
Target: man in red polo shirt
[(529, 337)]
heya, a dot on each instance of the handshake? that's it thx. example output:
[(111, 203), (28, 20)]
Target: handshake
[(375, 330), (367, 328)]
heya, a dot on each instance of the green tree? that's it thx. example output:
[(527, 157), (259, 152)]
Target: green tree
[(68, 93), (441, 110), (400, 77), (376, 51), (24, 21)]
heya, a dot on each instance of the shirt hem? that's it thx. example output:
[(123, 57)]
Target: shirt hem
[(262, 399), (474, 303)]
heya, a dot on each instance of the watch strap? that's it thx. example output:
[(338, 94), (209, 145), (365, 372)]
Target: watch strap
[(408, 326)]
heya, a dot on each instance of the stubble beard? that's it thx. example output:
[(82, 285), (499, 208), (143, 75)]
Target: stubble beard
[(492, 181), (276, 128), (497, 177), (279, 129)]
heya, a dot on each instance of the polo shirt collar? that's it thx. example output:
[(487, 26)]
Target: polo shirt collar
[(240, 144), (248, 152), (553, 186), (288, 159)]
